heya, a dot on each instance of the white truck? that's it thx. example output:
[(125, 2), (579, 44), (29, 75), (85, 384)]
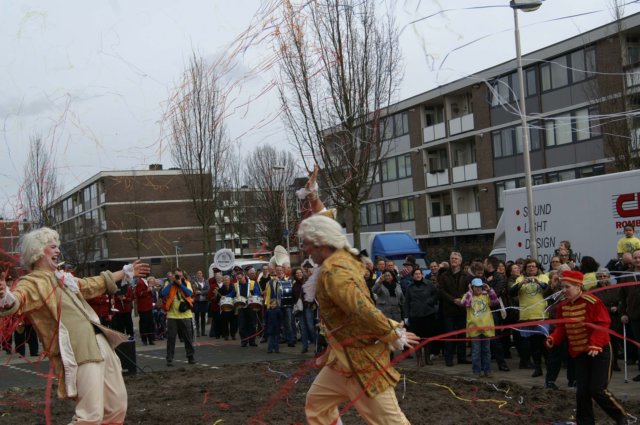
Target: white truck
[(589, 212)]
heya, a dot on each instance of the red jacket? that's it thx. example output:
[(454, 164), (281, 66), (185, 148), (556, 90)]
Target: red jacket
[(211, 295), (144, 297), (101, 305), (124, 303), (586, 309)]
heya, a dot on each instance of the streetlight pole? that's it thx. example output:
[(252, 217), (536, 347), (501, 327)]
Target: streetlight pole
[(176, 244), (527, 6), (286, 209)]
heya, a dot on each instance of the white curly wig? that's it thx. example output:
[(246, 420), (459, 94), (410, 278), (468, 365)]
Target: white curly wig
[(32, 245), (324, 231)]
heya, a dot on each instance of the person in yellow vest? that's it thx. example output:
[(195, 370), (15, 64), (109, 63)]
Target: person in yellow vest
[(478, 301), (530, 288), (178, 305)]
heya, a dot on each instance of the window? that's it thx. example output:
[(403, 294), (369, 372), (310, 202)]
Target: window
[(404, 166), (508, 141), (434, 115), (440, 205), (530, 81), (576, 126), (437, 160), (596, 170), (506, 89), (398, 167), (371, 214), (501, 187), (568, 69), (394, 125)]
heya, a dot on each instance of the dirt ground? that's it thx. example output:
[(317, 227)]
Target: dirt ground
[(274, 393)]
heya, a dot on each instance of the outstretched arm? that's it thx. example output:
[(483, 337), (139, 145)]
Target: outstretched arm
[(311, 192)]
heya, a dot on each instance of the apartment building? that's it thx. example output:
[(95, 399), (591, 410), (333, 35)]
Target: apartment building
[(454, 150)]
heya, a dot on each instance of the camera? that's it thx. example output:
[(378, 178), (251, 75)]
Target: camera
[(531, 280)]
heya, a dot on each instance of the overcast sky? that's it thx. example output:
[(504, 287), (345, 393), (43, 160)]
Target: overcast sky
[(93, 78)]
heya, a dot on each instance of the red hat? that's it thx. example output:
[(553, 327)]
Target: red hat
[(572, 277)]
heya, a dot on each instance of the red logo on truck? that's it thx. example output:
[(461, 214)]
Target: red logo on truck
[(632, 210)]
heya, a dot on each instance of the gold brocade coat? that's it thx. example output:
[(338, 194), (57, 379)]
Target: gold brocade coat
[(38, 296), (359, 334)]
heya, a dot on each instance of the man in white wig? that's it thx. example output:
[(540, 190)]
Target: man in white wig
[(356, 364), (79, 348)]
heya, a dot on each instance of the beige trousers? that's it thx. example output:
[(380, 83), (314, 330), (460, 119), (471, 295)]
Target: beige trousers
[(331, 388), (102, 396)]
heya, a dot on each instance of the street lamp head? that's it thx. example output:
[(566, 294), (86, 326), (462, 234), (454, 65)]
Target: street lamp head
[(526, 5)]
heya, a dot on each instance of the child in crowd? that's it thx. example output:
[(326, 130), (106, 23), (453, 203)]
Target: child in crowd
[(273, 322), (565, 245), (478, 302), (628, 243)]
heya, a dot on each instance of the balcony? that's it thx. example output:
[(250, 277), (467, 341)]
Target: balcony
[(437, 178), (468, 221), (465, 173), (460, 124), (434, 132), (440, 224)]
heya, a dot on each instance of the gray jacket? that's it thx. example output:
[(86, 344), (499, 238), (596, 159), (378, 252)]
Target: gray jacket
[(390, 306)]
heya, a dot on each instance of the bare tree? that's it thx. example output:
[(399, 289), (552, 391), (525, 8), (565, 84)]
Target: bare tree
[(199, 142), (269, 181), (233, 213), (40, 183), (339, 67), (609, 90)]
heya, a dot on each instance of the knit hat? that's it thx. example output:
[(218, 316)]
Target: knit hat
[(572, 277)]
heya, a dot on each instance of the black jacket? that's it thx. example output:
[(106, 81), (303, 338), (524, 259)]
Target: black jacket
[(451, 286), (421, 299)]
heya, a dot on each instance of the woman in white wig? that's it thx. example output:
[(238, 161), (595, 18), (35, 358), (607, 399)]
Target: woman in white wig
[(79, 348)]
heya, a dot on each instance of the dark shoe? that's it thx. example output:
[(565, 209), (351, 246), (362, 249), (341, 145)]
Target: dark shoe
[(226, 338), (244, 344), (269, 352), (636, 379), (291, 344), (427, 360), (488, 375), (524, 365), (152, 343), (277, 351), (551, 386), (304, 351), (191, 360), (253, 344), (537, 372), (464, 361), (169, 363), (503, 367), (233, 338)]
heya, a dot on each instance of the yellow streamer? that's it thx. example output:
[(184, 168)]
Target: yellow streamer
[(219, 421), (500, 403)]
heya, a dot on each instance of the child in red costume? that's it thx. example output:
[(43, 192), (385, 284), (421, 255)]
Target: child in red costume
[(589, 346)]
